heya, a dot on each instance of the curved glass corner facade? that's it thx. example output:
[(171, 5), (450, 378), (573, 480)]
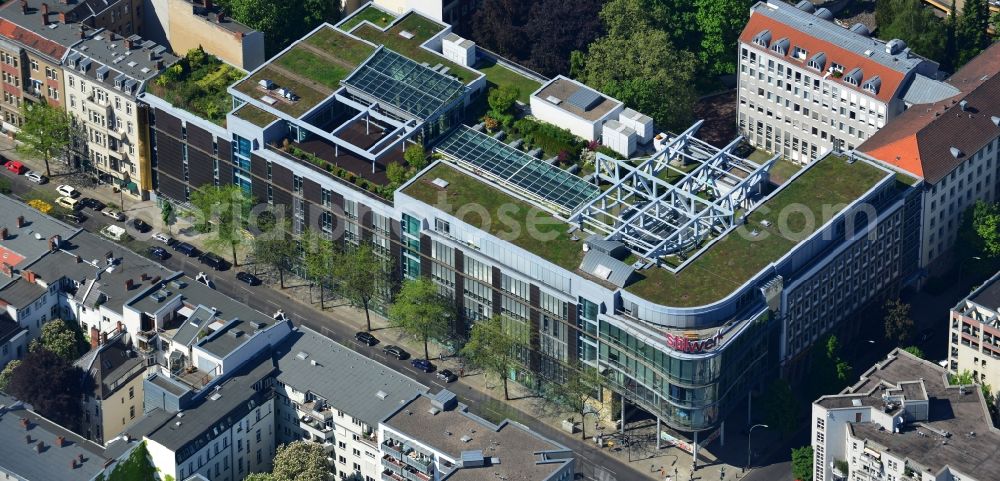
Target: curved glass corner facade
[(689, 393)]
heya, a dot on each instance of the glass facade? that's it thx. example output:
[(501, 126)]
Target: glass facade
[(241, 164)]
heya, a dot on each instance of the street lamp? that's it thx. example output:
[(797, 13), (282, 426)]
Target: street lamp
[(748, 441)]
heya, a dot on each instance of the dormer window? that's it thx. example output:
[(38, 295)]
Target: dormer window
[(854, 77), (763, 38), (781, 46), (873, 85), (800, 53), (818, 61)]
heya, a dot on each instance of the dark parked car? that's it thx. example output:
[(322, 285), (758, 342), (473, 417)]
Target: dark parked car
[(446, 375), (366, 338), (159, 253), (396, 352), (248, 278), (75, 217), (141, 226), (422, 364), (186, 249), (214, 261), (92, 203)]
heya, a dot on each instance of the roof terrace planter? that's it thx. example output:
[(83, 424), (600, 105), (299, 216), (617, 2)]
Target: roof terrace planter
[(383, 193)]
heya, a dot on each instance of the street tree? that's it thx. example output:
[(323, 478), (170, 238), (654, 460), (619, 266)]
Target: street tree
[(638, 69), (986, 223), (60, 339), (422, 312), (275, 248), (828, 372), (300, 461), (7, 373), (318, 261), (802, 463), (780, 408), (493, 348), (46, 133), (223, 211), (58, 396), (574, 393), (898, 324), (362, 274), (167, 215)]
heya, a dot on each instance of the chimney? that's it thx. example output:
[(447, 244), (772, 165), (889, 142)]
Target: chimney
[(83, 31), (25, 423), (20, 221), (54, 243), (60, 441), (3, 233), (78, 259), (72, 463), (129, 284), (104, 338), (158, 65), (95, 337), (27, 438), (144, 276), (29, 276), (62, 16), (119, 328), (24, 7), (128, 43), (45, 14), (40, 447)]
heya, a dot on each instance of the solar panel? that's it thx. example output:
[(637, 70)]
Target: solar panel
[(392, 79), (517, 169), (584, 98)]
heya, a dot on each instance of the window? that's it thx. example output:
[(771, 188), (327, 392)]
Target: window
[(442, 226), (34, 65)]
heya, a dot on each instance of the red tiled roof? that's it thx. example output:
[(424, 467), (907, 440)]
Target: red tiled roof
[(31, 39), (920, 140), (891, 79)]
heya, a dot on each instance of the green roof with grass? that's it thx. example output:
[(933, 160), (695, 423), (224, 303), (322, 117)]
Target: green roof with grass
[(463, 191), (499, 76), (255, 115), (370, 13), (736, 258), (197, 83), (422, 29)]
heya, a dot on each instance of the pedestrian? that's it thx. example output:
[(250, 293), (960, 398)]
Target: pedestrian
[(461, 371)]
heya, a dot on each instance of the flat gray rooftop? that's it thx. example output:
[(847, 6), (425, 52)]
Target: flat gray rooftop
[(988, 295), (349, 381), (577, 98)]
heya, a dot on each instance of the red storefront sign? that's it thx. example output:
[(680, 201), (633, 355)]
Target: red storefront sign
[(692, 346)]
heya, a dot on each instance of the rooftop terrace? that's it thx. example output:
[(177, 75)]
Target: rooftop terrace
[(197, 83), (729, 263)]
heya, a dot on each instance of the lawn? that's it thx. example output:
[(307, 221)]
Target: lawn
[(737, 257), (370, 13), (332, 41), (782, 170), (498, 76), (309, 96), (255, 115), (422, 29), (312, 66), (509, 219)]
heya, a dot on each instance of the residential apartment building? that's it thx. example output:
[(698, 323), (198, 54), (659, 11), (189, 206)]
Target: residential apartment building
[(954, 146), (104, 74), (974, 334), (904, 421), (115, 371), (639, 297), (808, 86), (435, 438), (328, 394), (182, 25)]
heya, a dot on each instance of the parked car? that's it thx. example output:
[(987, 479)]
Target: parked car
[(69, 203), (248, 278), (422, 364), (213, 261), (75, 217), (141, 225), (395, 351), (446, 375), (159, 253), (163, 238), (366, 338), (92, 203), (36, 177), (186, 249), (15, 167), (114, 214), (68, 191)]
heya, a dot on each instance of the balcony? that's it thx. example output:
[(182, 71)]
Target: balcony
[(394, 448), (370, 439), (316, 428), (391, 476), (419, 462), (318, 410)]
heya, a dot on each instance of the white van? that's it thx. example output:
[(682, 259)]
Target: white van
[(113, 232), (69, 203)]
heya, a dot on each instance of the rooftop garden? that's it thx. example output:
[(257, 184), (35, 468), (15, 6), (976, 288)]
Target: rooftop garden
[(498, 76), (346, 49), (421, 29), (255, 115), (548, 240), (197, 83), (829, 184), (370, 13), (309, 95)]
